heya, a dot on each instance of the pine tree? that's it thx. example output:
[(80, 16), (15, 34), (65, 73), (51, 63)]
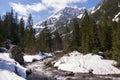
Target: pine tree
[(105, 35), (29, 37), (57, 41), (115, 36), (48, 39), (14, 28), (75, 44), (21, 31), (66, 38), (1, 31), (89, 39), (44, 41), (21, 28)]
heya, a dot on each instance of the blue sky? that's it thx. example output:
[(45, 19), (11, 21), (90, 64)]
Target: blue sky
[(41, 9)]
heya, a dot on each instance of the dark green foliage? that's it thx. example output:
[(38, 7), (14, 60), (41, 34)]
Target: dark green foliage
[(44, 41), (1, 32), (29, 41), (66, 38), (21, 32), (9, 28), (89, 35), (21, 28), (108, 10), (57, 41), (75, 44), (105, 36)]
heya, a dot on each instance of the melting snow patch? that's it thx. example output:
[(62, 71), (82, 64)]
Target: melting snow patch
[(41, 55), (79, 63)]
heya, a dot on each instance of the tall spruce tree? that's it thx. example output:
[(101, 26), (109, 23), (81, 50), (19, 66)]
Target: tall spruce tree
[(29, 37), (89, 40), (44, 41), (66, 38), (57, 41), (1, 31), (21, 31), (75, 44)]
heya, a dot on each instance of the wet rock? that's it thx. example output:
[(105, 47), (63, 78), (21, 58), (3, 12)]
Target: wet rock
[(34, 60), (91, 71), (69, 74), (28, 72)]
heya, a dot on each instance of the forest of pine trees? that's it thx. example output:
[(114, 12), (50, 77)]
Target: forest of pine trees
[(86, 36)]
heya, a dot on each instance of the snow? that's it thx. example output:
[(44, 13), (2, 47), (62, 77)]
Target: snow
[(7, 75), (80, 16), (116, 18), (78, 63), (62, 16), (94, 10), (9, 66), (30, 58), (56, 16)]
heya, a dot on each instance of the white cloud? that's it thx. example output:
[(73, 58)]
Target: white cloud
[(36, 7), (59, 4), (25, 9), (49, 5), (19, 8)]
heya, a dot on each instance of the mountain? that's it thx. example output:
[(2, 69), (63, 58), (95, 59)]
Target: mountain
[(107, 9), (60, 18)]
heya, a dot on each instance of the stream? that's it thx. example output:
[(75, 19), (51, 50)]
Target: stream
[(41, 72)]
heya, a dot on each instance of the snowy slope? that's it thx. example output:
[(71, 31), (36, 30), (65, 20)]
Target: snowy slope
[(59, 19), (95, 9), (9, 68), (61, 16), (7, 75), (77, 62), (116, 18)]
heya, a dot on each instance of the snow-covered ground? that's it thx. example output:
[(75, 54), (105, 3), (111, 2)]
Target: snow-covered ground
[(10, 69), (78, 63)]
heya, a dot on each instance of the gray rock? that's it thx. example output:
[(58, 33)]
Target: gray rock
[(15, 52)]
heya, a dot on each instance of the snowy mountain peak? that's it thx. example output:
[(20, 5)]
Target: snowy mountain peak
[(61, 17)]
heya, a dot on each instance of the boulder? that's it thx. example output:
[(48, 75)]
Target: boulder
[(15, 52)]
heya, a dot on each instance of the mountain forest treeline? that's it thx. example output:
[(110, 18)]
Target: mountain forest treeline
[(87, 35)]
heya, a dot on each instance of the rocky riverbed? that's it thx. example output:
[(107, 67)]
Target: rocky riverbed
[(40, 71)]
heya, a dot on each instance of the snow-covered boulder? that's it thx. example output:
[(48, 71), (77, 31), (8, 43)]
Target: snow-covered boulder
[(78, 63)]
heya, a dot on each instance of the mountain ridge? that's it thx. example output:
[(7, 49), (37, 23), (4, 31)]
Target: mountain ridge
[(60, 18)]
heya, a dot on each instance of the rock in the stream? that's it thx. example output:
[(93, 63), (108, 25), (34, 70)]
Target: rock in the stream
[(28, 72), (69, 74)]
